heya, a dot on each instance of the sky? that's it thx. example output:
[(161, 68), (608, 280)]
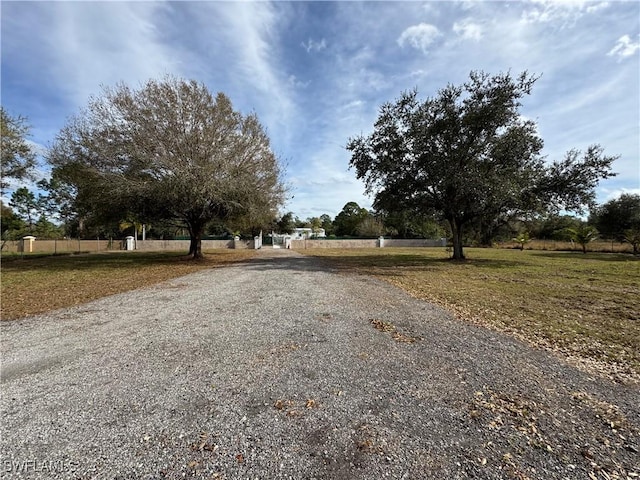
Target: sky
[(316, 73)]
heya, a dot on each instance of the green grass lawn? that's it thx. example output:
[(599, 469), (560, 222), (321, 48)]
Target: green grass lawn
[(37, 283), (585, 306)]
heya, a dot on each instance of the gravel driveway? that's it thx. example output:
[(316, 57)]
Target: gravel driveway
[(281, 368)]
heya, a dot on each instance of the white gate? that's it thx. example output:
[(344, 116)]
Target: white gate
[(281, 241)]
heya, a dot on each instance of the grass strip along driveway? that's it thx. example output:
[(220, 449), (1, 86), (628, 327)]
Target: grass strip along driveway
[(37, 284), (585, 306)]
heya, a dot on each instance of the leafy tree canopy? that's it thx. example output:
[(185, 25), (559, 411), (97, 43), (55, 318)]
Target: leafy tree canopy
[(616, 216), (553, 227), (170, 150), (25, 205), (287, 223), (18, 159), (10, 223), (327, 224), (468, 154), (370, 226), (347, 221), (60, 199), (406, 224)]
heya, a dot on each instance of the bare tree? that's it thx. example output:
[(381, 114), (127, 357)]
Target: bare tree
[(170, 150)]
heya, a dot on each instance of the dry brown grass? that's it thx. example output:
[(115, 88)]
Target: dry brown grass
[(603, 246), (38, 284), (585, 306)]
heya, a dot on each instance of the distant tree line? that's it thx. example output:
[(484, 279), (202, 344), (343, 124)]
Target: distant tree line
[(615, 220), (354, 221)]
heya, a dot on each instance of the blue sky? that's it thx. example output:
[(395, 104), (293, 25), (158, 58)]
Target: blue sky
[(316, 73)]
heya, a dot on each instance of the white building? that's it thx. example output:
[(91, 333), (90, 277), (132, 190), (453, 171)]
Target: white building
[(302, 233)]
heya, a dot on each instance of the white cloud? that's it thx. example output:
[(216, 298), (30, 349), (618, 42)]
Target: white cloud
[(419, 36), (588, 95), (468, 4), (593, 8), (125, 47), (37, 148), (248, 29), (564, 12), (352, 104), (250, 33), (610, 194), (419, 73), (312, 45), (296, 83), (360, 70), (624, 47), (468, 30)]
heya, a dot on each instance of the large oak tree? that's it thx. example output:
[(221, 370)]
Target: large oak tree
[(169, 150), (468, 154)]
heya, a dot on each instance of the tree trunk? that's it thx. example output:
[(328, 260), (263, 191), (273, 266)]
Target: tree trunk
[(192, 245), (456, 232), (486, 235), (198, 247), (195, 245)]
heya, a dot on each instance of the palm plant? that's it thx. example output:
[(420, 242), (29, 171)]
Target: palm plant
[(522, 239), (583, 235), (137, 227)]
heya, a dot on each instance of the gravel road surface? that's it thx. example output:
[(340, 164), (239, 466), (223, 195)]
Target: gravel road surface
[(282, 368)]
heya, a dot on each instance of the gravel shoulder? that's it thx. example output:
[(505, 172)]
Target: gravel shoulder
[(282, 368)]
